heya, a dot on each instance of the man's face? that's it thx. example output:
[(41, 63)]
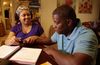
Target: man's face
[(59, 25)]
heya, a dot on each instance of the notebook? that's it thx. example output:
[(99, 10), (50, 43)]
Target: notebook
[(27, 56), (6, 51)]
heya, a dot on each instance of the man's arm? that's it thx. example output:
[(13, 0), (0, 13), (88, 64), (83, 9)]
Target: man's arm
[(44, 41), (67, 59)]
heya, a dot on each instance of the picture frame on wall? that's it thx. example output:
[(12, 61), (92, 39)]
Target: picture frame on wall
[(60, 2), (85, 6), (74, 4)]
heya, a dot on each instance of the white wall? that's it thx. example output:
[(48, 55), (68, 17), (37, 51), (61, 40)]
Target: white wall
[(89, 17), (46, 9)]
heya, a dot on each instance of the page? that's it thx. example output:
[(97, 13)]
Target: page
[(6, 51), (27, 56)]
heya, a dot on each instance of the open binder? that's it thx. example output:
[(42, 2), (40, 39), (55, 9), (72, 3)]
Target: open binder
[(19, 54), (7, 51), (26, 56)]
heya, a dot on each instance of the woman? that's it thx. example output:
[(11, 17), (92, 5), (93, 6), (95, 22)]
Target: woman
[(25, 31)]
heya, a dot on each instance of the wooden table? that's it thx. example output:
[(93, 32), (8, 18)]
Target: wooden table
[(45, 58)]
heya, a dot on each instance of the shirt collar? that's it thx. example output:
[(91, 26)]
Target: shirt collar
[(75, 32)]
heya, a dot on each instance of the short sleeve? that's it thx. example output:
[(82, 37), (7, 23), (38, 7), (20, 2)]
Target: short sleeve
[(16, 28), (54, 37), (86, 43)]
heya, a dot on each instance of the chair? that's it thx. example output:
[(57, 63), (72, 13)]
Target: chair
[(95, 26), (51, 31), (98, 57)]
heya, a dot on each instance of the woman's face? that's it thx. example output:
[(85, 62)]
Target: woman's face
[(25, 17), (59, 25)]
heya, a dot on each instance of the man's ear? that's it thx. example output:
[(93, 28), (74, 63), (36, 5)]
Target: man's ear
[(69, 22)]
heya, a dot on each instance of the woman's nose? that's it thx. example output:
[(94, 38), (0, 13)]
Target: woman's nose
[(26, 16)]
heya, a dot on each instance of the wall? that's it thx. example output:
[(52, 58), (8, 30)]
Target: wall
[(11, 6), (4, 7), (0, 12), (15, 4), (60, 2), (47, 6), (89, 17)]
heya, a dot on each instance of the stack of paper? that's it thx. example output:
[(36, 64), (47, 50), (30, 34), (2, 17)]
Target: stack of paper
[(6, 51), (27, 56)]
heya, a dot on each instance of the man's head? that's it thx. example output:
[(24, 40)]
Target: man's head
[(64, 19)]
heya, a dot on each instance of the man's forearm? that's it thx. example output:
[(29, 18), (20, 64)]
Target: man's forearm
[(44, 41)]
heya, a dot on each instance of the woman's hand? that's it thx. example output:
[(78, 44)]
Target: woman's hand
[(30, 39), (13, 41)]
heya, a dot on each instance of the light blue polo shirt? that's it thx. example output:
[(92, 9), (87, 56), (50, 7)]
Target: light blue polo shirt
[(82, 40)]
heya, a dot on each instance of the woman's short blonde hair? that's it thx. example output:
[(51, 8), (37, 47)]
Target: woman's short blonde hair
[(20, 8)]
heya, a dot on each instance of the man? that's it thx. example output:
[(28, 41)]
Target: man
[(77, 44)]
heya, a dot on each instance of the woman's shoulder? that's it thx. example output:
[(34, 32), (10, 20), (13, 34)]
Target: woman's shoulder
[(17, 26), (36, 24)]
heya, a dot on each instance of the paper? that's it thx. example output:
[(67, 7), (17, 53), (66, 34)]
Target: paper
[(6, 51), (27, 55)]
